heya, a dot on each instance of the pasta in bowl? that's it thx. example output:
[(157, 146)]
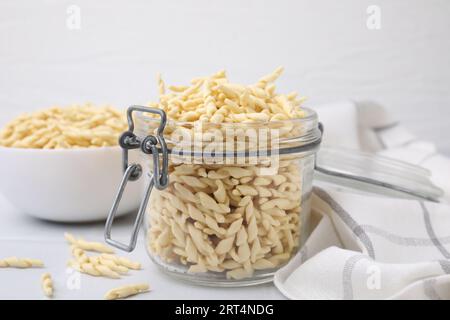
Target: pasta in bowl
[(60, 164)]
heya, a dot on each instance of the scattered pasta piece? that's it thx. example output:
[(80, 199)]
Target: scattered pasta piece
[(121, 261), (14, 262), (86, 245), (47, 284), (96, 270), (126, 291), (102, 265)]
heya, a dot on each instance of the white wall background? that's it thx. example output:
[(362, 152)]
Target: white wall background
[(328, 52)]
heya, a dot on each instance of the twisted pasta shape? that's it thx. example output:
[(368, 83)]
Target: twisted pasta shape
[(110, 264), (126, 291), (103, 265), (14, 262), (96, 270), (121, 261), (47, 284), (87, 245), (161, 85)]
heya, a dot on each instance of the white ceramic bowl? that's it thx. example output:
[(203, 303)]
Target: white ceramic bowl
[(67, 185)]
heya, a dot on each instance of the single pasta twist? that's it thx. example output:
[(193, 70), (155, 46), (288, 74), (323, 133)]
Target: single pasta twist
[(126, 291), (121, 261), (79, 254), (14, 262), (47, 284), (161, 85), (87, 245)]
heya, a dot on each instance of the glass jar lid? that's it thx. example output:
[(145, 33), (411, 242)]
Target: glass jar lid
[(368, 173)]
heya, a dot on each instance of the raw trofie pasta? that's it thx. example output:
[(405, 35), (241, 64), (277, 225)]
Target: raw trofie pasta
[(215, 99), (103, 265), (126, 291), (14, 262), (77, 126), (86, 245), (228, 217), (47, 284)]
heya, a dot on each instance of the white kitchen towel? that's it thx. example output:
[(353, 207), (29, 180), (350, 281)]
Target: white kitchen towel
[(373, 247)]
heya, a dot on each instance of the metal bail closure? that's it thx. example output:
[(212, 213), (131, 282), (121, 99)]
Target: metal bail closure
[(158, 178)]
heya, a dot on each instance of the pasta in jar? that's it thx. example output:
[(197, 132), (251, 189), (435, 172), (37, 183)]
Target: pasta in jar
[(237, 203)]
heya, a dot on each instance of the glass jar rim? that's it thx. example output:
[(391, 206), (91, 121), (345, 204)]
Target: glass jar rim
[(308, 140), (310, 117)]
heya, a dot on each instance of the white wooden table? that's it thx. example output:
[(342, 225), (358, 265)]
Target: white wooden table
[(24, 236)]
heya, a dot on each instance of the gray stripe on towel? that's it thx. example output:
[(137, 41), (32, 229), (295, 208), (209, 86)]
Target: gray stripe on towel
[(347, 283), (445, 265), (429, 289), (404, 241), (348, 220), (431, 233)]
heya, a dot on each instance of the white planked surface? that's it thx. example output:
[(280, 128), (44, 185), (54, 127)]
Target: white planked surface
[(328, 52), (23, 236)]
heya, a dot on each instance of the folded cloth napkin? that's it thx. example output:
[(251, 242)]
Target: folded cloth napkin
[(368, 246)]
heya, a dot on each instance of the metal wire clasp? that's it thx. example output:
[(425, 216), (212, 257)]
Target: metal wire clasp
[(158, 178)]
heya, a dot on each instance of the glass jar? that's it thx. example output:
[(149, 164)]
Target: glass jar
[(229, 204), (233, 217), (236, 205)]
